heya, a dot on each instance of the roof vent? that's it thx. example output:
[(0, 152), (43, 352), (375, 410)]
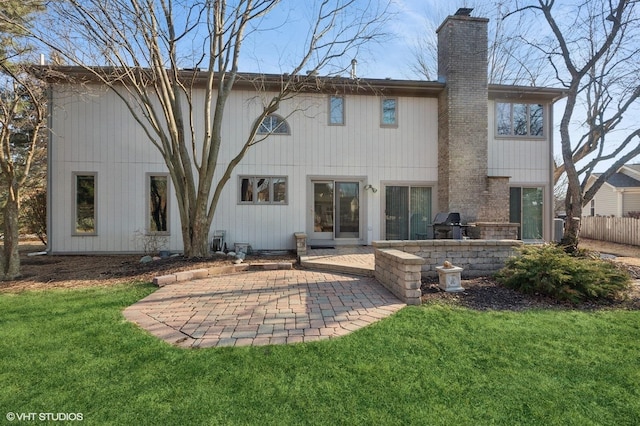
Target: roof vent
[(464, 11)]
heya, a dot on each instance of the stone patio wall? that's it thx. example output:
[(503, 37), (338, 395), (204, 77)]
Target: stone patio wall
[(477, 257), (400, 273)]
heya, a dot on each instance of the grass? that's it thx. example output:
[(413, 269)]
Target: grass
[(71, 351)]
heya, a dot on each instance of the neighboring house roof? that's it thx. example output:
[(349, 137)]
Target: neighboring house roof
[(620, 180), (634, 167)]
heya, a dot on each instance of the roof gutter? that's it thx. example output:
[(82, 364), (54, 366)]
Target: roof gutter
[(308, 83)]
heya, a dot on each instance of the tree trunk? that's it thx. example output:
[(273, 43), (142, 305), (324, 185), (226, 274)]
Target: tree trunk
[(573, 207), (573, 201), (195, 234), (10, 258)]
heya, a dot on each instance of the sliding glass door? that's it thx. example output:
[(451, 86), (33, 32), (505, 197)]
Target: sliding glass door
[(407, 212), (526, 208), (336, 210), (347, 196)]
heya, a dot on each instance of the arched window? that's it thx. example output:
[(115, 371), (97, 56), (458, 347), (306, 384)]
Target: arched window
[(274, 124)]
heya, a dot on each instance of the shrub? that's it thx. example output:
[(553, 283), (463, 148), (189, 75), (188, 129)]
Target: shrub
[(34, 215), (549, 271)]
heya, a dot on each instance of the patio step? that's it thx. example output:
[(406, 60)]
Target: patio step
[(342, 266), (194, 274)]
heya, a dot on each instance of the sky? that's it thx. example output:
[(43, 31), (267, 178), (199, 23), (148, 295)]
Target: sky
[(389, 58), (394, 57)]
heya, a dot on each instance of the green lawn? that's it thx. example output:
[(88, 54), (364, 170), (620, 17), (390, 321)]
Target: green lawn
[(71, 351)]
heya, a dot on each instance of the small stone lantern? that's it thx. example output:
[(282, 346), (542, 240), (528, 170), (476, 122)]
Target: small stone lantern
[(449, 277)]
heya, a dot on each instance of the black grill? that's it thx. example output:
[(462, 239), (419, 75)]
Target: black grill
[(447, 225)]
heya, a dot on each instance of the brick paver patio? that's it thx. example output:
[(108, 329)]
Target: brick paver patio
[(263, 307)]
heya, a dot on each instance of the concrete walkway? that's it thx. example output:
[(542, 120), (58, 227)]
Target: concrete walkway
[(263, 307)]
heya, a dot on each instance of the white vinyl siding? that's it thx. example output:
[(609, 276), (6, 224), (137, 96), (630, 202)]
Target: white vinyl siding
[(631, 202), (95, 132), (528, 162), (607, 200), (523, 160), (612, 201)]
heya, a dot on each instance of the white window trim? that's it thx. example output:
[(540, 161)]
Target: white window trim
[(74, 197)]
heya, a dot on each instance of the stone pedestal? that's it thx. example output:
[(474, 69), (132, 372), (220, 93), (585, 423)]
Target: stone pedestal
[(301, 243), (449, 278)]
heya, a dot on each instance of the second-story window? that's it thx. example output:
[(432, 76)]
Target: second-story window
[(516, 119), (389, 112), (336, 110), (274, 124)]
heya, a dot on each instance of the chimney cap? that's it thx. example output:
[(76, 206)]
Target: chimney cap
[(464, 11)]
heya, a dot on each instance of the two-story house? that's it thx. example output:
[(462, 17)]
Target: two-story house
[(367, 159)]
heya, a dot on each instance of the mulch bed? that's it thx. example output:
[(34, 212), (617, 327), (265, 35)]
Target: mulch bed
[(46, 272), (486, 294)]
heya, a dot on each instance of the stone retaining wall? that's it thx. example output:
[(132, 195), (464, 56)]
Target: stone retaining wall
[(477, 257), (400, 273), (493, 230)]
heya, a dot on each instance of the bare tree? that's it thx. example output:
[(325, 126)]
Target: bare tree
[(22, 117), (144, 46), (594, 50), (507, 54)]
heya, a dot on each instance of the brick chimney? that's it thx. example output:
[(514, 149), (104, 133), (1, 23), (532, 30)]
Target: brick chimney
[(463, 116)]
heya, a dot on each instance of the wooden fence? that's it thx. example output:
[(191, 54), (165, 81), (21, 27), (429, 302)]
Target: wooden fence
[(623, 230)]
